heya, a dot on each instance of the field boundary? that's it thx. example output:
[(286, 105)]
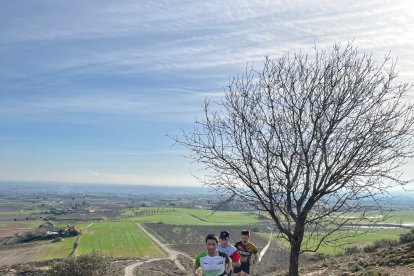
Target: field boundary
[(75, 246), (171, 254)]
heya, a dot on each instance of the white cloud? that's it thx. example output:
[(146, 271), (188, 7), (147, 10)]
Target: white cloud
[(188, 35), (159, 59)]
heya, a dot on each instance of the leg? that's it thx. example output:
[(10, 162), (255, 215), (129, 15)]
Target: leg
[(236, 271), (245, 269)]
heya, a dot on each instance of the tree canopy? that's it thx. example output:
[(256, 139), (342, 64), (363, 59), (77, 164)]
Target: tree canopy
[(307, 139)]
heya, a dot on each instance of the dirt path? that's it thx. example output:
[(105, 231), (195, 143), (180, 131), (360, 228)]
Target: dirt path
[(171, 254), (87, 226), (129, 270)]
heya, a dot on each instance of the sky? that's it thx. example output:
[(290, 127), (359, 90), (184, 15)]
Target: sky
[(89, 90)]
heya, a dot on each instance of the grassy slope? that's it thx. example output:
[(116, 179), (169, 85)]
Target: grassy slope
[(359, 241), (57, 250)]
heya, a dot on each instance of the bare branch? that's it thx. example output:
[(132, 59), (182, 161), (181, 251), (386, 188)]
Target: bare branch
[(308, 139)]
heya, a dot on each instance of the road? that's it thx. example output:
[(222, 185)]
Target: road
[(171, 254)]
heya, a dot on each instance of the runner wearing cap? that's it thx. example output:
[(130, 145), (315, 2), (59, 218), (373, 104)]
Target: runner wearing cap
[(228, 249)]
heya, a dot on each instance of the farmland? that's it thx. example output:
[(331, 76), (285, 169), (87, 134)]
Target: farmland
[(20, 253), (115, 238), (401, 217), (185, 216), (360, 241), (189, 239), (108, 224), (56, 250), (118, 239), (9, 228)]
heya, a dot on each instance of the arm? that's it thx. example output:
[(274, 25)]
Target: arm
[(196, 267), (235, 258), (228, 266), (256, 258), (195, 270), (256, 255)]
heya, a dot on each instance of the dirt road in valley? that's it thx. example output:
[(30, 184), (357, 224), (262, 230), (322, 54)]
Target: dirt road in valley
[(171, 254), (87, 226)]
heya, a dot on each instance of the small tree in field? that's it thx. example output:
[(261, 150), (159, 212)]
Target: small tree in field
[(308, 140)]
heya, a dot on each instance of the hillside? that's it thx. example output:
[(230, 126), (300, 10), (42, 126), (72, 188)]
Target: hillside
[(389, 261), (393, 260)]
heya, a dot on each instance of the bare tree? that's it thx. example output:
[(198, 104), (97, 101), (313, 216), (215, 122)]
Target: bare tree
[(308, 139)]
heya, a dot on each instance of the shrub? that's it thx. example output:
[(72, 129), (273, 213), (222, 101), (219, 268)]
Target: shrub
[(316, 257), (352, 250), (370, 248), (31, 235), (406, 238), (91, 264), (385, 243), (380, 244)]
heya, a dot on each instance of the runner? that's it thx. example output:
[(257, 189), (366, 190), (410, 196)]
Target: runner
[(211, 261), (246, 250), (229, 249)]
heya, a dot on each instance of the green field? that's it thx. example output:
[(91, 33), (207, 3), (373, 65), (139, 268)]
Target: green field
[(124, 239), (359, 241), (401, 217), (119, 239), (115, 238), (394, 217), (20, 224), (183, 216), (23, 212), (57, 250)]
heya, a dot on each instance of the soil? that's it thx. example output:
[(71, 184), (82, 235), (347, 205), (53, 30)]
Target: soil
[(161, 267), (14, 228), (390, 261), (20, 253), (172, 257)]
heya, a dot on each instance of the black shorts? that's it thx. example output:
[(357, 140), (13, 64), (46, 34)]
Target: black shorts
[(245, 267)]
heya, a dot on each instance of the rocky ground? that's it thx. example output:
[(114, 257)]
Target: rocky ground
[(390, 261)]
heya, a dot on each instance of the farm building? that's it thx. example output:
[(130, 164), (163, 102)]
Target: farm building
[(73, 231)]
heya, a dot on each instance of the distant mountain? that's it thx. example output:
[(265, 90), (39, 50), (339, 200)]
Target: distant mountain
[(99, 189)]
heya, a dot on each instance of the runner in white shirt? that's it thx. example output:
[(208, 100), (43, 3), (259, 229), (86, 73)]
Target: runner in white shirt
[(212, 262)]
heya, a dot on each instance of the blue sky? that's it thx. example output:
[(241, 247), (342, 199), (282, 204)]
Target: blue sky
[(89, 89)]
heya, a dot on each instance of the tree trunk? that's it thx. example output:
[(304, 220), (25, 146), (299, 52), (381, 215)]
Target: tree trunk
[(294, 259)]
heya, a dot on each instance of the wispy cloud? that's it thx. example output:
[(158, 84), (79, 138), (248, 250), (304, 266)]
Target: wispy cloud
[(147, 65), (187, 35), (159, 105)]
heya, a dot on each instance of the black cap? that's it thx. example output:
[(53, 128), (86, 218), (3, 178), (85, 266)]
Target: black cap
[(224, 235)]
